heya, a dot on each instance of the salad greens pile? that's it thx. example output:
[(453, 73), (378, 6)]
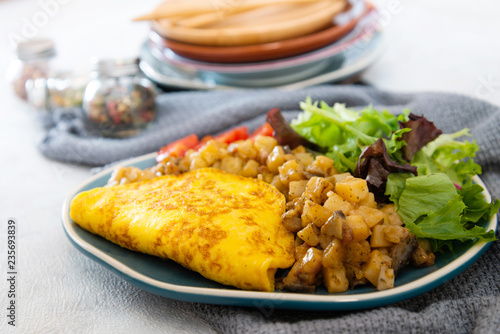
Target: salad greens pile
[(408, 161)]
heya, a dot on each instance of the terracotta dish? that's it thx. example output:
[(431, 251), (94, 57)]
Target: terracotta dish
[(259, 52)]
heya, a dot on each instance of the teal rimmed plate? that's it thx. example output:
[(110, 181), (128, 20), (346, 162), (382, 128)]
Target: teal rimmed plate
[(171, 280)]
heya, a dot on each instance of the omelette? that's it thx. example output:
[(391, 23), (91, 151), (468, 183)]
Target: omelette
[(226, 227)]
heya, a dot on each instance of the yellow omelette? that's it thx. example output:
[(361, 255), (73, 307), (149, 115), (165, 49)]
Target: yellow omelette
[(226, 227)]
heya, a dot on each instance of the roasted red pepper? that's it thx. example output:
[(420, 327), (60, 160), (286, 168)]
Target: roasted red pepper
[(238, 133), (178, 148), (264, 130)]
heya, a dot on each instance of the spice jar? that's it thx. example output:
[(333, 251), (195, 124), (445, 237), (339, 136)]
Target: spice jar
[(32, 62), (62, 90), (65, 90), (118, 100)]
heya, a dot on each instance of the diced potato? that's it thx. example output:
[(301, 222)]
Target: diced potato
[(275, 159), (197, 162), (384, 251), (392, 215), (233, 165), (299, 149), (304, 273), (250, 169), (385, 278), (353, 190), (301, 250), (170, 168), (290, 171), (360, 230), (324, 240), (335, 279), (421, 258), (216, 164), (378, 238), (310, 235), (341, 177), (297, 204), (369, 201), (372, 216), (394, 233), (311, 261), (322, 166), (354, 275), (305, 159), (264, 144), (334, 225), (266, 175), (335, 202), (307, 204), (315, 214), (184, 164), (211, 152), (334, 254), (357, 253), (244, 149), (292, 221), (296, 188), (276, 182), (317, 188), (374, 265)]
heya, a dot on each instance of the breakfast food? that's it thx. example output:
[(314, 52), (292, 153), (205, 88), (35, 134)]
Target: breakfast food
[(342, 237), (386, 191), (249, 22), (226, 227)]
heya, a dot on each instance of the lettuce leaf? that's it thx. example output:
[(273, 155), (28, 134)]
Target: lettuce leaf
[(432, 207), (347, 132)]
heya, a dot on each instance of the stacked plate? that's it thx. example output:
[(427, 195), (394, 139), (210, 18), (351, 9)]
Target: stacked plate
[(345, 39)]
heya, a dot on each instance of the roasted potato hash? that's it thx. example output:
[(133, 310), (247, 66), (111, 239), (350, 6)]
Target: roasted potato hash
[(343, 238)]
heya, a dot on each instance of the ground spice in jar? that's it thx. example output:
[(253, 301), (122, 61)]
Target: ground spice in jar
[(32, 62)]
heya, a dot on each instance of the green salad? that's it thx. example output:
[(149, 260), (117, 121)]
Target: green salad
[(408, 161)]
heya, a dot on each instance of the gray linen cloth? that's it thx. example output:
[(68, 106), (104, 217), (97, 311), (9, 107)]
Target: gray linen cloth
[(468, 303)]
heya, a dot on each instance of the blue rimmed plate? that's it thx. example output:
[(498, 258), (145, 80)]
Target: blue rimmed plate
[(342, 59), (171, 280)]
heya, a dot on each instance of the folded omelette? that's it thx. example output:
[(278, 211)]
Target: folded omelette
[(226, 227)]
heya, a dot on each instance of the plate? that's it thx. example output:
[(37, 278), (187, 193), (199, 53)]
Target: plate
[(362, 35), (266, 51), (343, 59), (170, 77), (168, 279)]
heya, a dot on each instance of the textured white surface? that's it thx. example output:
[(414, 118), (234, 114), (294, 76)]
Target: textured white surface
[(447, 46), (439, 46)]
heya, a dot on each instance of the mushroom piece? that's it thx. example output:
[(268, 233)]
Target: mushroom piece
[(402, 251)]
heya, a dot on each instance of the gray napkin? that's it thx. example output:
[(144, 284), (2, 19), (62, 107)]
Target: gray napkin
[(180, 114), (468, 303)]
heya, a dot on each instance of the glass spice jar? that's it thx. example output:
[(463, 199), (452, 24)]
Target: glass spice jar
[(118, 101), (32, 62), (65, 90), (61, 90)]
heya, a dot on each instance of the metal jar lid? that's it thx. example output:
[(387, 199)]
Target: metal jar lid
[(116, 67)]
